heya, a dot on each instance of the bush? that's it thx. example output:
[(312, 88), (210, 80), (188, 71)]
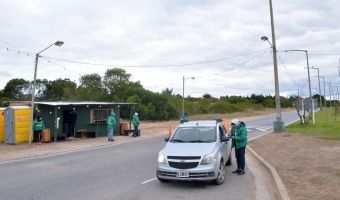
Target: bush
[(224, 107)]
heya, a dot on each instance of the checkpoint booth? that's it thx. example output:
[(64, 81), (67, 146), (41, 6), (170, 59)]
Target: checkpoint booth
[(84, 119), (17, 124)]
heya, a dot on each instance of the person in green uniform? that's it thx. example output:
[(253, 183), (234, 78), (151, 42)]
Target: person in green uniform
[(239, 134), (111, 125), (37, 127), (135, 121)]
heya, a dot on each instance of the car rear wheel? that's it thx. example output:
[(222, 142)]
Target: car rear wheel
[(221, 175)]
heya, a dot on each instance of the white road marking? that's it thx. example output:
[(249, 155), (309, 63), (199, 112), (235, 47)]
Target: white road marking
[(260, 129), (149, 181), (249, 130)]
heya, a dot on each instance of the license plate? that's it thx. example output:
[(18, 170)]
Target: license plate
[(182, 174)]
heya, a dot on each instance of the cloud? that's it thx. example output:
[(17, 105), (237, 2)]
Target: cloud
[(178, 36)]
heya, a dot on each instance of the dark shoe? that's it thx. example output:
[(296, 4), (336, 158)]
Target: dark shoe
[(237, 171), (241, 173), (112, 140), (108, 139)]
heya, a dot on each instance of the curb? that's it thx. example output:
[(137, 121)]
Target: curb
[(280, 188)]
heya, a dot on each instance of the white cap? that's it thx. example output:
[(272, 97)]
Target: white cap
[(136, 113)]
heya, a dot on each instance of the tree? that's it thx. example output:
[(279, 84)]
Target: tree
[(203, 105), (91, 88), (167, 91), (116, 82), (208, 96), (60, 90), (17, 89)]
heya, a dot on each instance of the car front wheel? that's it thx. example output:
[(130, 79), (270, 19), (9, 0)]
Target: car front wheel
[(221, 175)]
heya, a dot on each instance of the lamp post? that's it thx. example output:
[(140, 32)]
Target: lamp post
[(337, 92), (57, 43), (324, 90), (278, 124), (184, 78), (330, 94), (319, 86), (310, 89)]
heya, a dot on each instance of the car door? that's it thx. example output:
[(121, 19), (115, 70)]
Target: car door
[(223, 145)]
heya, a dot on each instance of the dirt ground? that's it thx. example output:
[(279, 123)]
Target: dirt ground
[(309, 167)]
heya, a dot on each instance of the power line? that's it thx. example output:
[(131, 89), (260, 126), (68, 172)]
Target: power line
[(172, 65)]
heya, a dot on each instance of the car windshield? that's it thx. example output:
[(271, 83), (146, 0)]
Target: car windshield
[(195, 135)]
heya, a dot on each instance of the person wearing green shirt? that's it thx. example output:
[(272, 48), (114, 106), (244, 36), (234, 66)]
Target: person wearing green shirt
[(111, 125), (37, 127), (239, 135), (184, 117), (135, 121)]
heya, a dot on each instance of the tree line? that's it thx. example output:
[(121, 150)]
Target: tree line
[(116, 86)]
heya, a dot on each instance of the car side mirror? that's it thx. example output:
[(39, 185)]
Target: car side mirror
[(225, 139), (167, 139)]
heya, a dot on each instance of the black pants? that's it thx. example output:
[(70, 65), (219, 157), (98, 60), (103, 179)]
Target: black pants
[(72, 130), (240, 157), (37, 137), (135, 132)]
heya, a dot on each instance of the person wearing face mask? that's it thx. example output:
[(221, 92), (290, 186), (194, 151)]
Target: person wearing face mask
[(37, 127)]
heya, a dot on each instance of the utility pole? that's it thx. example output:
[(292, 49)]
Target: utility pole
[(278, 124), (324, 90), (310, 88), (330, 94), (319, 87)]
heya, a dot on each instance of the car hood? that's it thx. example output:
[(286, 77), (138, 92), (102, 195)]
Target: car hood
[(188, 149)]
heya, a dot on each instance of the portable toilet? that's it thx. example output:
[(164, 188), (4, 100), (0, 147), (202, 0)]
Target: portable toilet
[(17, 124), (2, 125)]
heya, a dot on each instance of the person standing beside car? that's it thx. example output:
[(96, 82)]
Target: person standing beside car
[(239, 134), (135, 121), (37, 127), (111, 125)]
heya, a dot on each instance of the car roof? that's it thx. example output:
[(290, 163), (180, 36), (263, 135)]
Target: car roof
[(199, 123)]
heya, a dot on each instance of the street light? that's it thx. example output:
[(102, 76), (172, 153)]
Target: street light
[(310, 89), (319, 86), (330, 94), (324, 90), (337, 92), (57, 43), (184, 78), (278, 124)]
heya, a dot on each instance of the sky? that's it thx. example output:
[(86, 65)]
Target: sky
[(163, 42)]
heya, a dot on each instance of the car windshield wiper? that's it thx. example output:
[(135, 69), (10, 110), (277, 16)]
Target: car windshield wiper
[(197, 141), (177, 141)]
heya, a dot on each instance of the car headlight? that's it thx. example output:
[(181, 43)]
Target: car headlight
[(210, 158), (161, 158)]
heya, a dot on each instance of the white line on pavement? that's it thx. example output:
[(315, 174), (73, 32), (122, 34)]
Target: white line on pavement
[(260, 129), (149, 181)]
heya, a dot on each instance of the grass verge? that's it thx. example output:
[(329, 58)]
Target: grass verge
[(327, 126)]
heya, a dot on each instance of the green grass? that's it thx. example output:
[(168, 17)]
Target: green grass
[(338, 173), (327, 126)]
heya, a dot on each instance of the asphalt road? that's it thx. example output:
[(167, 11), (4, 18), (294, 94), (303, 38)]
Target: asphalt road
[(120, 171)]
